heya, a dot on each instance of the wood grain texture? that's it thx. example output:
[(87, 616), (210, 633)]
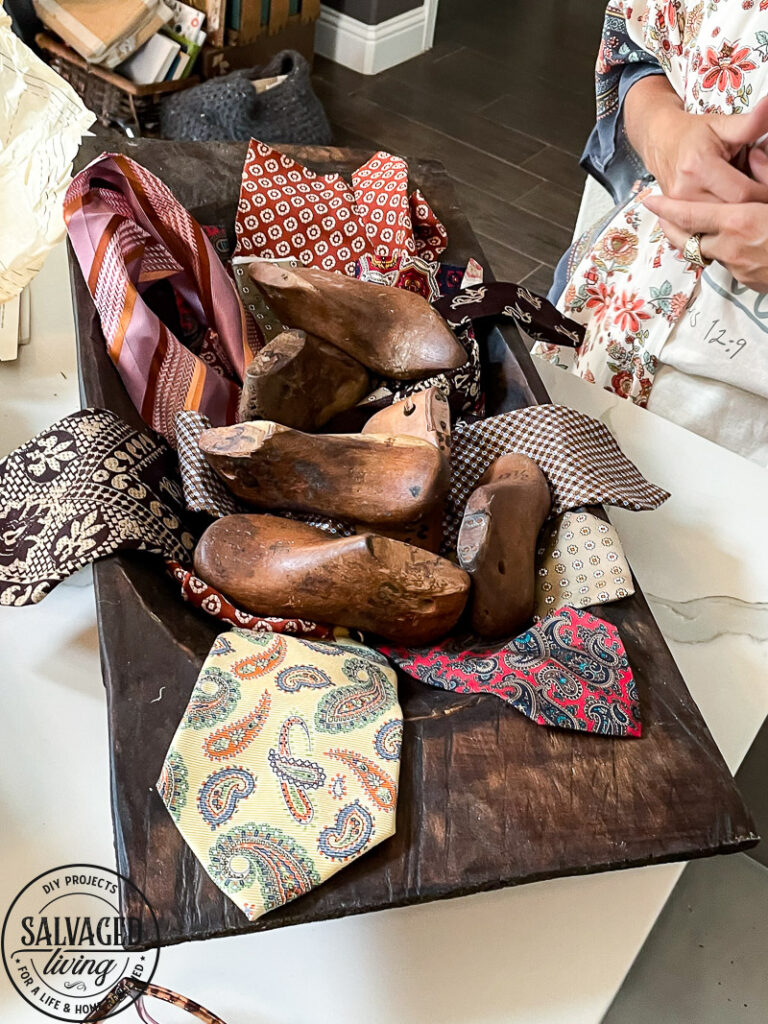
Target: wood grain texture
[(553, 202), (364, 478), (502, 520), (365, 581), (504, 262), (427, 107), (534, 236), (392, 331), (557, 166), (425, 414), (487, 799), (398, 134), (445, 104), (301, 381), (250, 21), (540, 280)]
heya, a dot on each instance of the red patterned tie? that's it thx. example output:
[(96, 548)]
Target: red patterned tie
[(287, 211)]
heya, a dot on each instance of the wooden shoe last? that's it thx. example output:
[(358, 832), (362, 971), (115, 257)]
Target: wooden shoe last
[(266, 563), (392, 331), (426, 415), (301, 381), (373, 478), (497, 544)]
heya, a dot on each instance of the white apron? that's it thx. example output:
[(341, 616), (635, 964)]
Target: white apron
[(690, 346)]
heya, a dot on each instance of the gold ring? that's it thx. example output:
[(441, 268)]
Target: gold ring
[(692, 250)]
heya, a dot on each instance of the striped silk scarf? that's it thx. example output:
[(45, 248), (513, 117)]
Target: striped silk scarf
[(145, 259)]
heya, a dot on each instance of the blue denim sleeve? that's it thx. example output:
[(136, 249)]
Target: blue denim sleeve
[(609, 156), (560, 280)]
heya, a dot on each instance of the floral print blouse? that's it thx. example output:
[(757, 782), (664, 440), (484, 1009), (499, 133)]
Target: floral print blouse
[(627, 284)]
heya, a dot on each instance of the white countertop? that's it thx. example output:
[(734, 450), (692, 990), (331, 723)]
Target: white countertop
[(514, 956)]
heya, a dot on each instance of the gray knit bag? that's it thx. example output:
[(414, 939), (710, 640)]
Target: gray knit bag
[(230, 107)]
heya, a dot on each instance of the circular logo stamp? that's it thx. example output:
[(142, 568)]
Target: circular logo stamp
[(64, 939)]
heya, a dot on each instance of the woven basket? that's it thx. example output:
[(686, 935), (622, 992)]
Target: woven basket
[(115, 100), (110, 104)]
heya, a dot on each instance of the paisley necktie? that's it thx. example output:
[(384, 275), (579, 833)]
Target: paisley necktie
[(569, 670), (285, 765)]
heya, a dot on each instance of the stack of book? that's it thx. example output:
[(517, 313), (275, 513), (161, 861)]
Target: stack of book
[(169, 54)]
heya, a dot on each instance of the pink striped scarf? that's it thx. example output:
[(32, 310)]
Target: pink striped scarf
[(128, 232)]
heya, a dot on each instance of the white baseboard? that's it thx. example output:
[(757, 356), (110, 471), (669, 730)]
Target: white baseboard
[(370, 49)]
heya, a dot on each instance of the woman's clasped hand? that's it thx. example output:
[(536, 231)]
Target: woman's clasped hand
[(735, 234), (713, 183)]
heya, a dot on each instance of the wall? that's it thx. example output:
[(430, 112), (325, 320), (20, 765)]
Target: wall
[(370, 36), (372, 12)]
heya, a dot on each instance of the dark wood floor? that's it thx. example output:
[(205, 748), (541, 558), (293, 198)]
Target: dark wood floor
[(505, 100)]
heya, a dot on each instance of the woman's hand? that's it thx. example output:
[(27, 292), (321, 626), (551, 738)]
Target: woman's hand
[(691, 155), (734, 235)]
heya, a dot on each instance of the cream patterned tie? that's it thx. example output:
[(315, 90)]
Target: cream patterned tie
[(579, 562), (285, 765)]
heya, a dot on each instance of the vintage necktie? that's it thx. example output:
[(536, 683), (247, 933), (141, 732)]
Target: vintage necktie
[(86, 487), (580, 562), (577, 454), (461, 307), (461, 386), (405, 271), (208, 599), (500, 300), (286, 210), (254, 302), (204, 491), (285, 765), (141, 254), (429, 278), (569, 670)]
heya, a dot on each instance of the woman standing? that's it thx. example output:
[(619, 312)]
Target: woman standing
[(673, 285)]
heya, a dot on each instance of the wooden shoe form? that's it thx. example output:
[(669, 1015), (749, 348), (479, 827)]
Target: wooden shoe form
[(392, 331), (372, 479), (267, 564), (497, 544), (427, 415), (301, 381)]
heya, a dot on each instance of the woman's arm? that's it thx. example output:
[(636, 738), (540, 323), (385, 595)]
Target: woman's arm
[(621, 63), (691, 155)]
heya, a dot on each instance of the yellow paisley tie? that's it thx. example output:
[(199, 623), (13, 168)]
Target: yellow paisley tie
[(285, 765)]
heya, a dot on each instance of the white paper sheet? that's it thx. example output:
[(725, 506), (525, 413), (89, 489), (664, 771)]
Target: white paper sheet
[(42, 121)]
